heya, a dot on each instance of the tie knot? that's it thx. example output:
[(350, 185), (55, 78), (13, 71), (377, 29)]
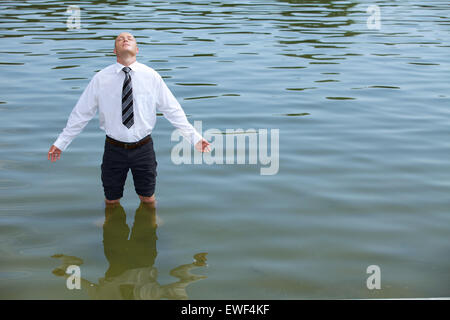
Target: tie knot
[(126, 69)]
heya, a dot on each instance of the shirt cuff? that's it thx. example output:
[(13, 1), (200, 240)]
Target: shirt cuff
[(61, 144), (196, 137)]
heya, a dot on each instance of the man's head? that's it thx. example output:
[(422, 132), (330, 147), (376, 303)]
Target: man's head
[(125, 45)]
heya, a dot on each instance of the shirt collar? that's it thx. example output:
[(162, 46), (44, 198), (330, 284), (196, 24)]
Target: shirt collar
[(119, 66)]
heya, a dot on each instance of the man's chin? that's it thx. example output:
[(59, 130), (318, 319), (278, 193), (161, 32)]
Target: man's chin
[(127, 52)]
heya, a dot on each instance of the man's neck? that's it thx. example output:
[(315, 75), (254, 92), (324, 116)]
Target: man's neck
[(126, 61)]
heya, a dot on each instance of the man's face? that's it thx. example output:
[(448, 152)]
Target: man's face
[(125, 44)]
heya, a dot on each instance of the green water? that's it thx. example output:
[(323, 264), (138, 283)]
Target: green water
[(364, 171)]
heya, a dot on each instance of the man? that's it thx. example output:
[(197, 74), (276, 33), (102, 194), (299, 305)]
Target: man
[(126, 95)]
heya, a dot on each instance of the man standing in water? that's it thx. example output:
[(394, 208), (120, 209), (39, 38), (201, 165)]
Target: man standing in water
[(127, 94)]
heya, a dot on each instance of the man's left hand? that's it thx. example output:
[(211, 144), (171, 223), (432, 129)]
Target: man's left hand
[(202, 146)]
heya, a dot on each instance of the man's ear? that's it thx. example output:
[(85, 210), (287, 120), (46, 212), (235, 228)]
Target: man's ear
[(137, 50), (114, 50)]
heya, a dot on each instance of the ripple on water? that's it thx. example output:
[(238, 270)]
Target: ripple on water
[(360, 182), (341, 98), (13, 275), (8, 184)]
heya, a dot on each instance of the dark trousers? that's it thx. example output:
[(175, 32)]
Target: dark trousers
[(116, 163)]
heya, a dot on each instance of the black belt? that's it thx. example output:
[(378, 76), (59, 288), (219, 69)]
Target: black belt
[(129, 145)]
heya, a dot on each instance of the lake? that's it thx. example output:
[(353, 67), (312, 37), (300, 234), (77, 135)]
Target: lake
[(358, 92)]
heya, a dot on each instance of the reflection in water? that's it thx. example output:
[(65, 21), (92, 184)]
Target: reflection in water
[(363, 116), (131, 274)]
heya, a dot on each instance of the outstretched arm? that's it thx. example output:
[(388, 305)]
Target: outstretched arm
[(169, 106), (82, 113)]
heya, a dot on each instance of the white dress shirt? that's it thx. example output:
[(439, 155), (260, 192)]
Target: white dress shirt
[(104, 93)]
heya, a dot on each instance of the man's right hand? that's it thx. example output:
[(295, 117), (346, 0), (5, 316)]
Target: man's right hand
[(54, 153)]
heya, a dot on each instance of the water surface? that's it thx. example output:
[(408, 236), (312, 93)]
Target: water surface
[(364, 171)]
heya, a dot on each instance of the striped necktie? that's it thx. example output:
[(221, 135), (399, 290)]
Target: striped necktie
[(127, 99)]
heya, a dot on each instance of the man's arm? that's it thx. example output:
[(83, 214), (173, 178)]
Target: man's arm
[(173, 112), (82, 113)]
